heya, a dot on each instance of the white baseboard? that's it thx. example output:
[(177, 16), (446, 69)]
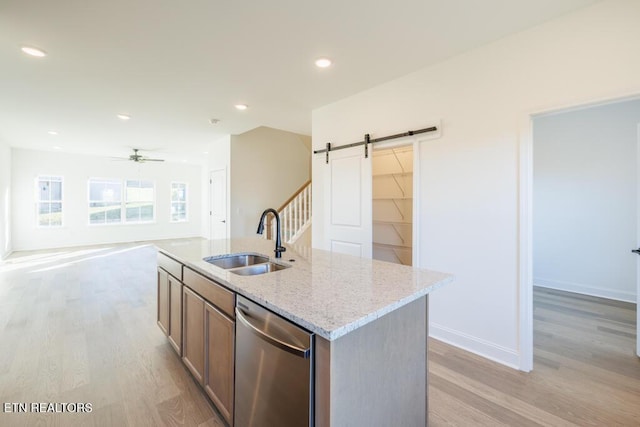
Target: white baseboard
[(585, 289), (6, 255), (475, 345)]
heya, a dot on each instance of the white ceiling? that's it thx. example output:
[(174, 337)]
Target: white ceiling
[(173, 65)]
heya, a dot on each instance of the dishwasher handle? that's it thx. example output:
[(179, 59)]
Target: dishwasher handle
[(305, 353)]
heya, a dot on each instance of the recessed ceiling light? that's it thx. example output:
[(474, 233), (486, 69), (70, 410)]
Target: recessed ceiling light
[(33, 51), (52, 132), (57, 148), (123, 116), (205, 152), (323, 62), (241, 107)]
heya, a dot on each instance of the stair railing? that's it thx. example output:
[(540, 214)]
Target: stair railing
[(295, 215)]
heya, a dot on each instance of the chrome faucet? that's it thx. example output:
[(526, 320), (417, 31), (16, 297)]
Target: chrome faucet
[(279, 248)]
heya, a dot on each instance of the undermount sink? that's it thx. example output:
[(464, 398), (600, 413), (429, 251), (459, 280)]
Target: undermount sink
[(245, 264), (236, 260), (252, 270)]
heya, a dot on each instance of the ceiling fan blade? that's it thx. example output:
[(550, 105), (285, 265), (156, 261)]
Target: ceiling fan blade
[(136, 157)]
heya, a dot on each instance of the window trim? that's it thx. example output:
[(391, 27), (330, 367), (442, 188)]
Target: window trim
[(186, 202), (36, 185)]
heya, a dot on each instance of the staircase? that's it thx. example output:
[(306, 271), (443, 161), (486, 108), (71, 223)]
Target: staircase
[(295, 216)]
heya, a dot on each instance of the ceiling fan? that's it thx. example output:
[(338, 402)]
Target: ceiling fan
[(139, 158)]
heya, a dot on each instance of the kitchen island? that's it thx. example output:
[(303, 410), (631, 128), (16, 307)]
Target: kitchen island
[(370, 320)]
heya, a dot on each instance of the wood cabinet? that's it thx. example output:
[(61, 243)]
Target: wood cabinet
[(175, 314), (193, 333), (163, 301), (170, 300), (211, 291), (208, 349), (209, 338), (219, 360), (197, 315)]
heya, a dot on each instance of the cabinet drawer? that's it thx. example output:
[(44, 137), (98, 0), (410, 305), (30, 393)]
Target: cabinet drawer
[(211, 291), (170, 265)]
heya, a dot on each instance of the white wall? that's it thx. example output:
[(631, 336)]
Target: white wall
[(5, 200), (76, 170), (267, 166), (469, 181), (584, 200)]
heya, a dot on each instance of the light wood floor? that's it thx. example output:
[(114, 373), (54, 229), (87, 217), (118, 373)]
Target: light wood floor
[(585, 371), (79, 325)]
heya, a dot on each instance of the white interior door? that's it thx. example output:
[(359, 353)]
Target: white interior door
[(218, 207), (348, 211)]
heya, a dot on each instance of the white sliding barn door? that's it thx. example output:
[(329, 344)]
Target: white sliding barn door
[(348, 194)]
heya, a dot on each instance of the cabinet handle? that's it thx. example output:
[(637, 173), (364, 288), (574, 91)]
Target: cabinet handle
[(305, 353)]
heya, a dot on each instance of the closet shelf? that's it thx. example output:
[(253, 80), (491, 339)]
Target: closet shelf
[(376, 221), (375, 175), (389, 246)]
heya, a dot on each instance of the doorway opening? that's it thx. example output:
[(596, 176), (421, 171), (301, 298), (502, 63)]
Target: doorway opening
[(392, 204), (583, 219)]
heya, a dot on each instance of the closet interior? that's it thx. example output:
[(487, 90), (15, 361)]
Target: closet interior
[(392, 204)]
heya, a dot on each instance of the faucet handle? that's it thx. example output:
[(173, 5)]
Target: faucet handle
[(279, 250)]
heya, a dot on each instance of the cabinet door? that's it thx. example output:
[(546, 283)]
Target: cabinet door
[(218, 382), (193, 333), (163, 301), (175, 316)]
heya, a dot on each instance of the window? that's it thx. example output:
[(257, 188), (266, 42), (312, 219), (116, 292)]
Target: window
[(49, 201), (105, 201), (140, 200), (178, 202)]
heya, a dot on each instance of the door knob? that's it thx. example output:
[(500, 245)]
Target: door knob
[(637, 251)]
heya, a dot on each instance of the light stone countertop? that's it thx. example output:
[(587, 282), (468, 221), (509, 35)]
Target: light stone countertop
[(327, 293)]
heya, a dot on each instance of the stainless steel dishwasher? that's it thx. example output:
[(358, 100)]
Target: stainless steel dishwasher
[(274, 370)]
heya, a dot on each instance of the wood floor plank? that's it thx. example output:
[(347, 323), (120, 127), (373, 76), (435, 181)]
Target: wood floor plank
[(447, 410), (498, 412), (499, 398), (583, 374)]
